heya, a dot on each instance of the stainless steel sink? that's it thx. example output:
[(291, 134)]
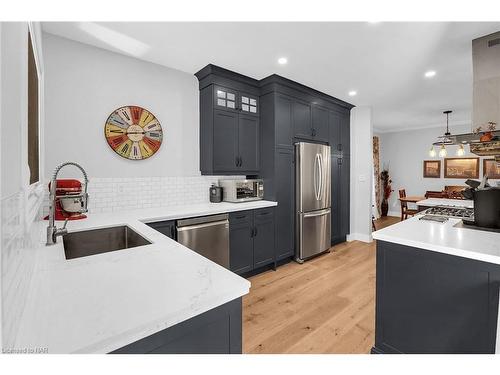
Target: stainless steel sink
[(98, 241)]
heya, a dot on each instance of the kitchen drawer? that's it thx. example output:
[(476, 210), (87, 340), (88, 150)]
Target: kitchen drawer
[(264, 214), (241, 217)]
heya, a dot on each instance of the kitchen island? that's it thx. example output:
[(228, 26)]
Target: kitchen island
[(160, 297), (437, 288)]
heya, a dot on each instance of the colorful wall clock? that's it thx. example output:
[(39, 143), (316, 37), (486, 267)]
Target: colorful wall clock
[(133, 132)]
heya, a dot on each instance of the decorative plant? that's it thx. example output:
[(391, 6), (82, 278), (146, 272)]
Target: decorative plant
[(489, 127), (387, 190)]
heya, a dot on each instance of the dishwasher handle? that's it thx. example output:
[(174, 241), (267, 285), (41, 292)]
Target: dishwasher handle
[(205, 225)]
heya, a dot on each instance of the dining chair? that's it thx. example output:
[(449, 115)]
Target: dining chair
[(405, 211)]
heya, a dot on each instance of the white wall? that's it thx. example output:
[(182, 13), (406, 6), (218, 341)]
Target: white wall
[(84, 84), (361, 174), (404, 152), (14, 104), (18, 200)]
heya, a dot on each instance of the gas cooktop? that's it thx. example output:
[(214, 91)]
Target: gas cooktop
[(453, 212)]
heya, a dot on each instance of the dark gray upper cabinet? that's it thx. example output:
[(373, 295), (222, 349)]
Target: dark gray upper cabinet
[(248, 143), (283, 106), (334, 122), (301, 112), (229, 122), (320, 123), (225, 141), (345, 134)]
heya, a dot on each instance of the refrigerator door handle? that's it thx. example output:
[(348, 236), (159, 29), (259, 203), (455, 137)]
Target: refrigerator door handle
[(326, 211), (316, 177), (321, 179)]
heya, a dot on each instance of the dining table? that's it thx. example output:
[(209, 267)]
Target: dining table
[(412, 199)]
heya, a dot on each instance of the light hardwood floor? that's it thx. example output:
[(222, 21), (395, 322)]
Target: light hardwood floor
[(326, 305)]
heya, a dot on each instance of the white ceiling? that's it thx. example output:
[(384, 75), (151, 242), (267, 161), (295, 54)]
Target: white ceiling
[(384, 62)]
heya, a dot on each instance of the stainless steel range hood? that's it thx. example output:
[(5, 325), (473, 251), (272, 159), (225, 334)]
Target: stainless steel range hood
[(486, 80), (486, 95)]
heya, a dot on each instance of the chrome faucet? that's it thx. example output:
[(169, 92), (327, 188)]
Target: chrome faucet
[(52, 231)]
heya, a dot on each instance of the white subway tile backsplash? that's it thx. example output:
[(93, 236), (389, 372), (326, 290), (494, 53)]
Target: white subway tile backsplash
[(129, 193)]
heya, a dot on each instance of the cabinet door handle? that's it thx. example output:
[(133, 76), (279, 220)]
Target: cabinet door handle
[(339, 147), (339, 161), (251, 232), (241, 161), (255, 233)]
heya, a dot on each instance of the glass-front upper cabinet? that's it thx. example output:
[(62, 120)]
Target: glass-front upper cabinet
[(248, 103), (225, 98)]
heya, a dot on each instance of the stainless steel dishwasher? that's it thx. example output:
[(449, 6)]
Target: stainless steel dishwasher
[(208, 236)]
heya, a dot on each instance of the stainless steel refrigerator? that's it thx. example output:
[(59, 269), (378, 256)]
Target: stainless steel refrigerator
[(313, 199)]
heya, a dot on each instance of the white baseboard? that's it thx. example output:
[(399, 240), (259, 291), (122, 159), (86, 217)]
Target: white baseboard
[(359, 237)]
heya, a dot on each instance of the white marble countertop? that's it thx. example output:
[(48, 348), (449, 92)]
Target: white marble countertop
[(449, 238), (99, 303), (431, 202)]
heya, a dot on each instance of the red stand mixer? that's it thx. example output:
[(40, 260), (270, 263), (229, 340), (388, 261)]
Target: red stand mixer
[(69, 203)]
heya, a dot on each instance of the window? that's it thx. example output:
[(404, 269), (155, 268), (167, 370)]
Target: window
[(226, 99), (248, 104), (33, 116)]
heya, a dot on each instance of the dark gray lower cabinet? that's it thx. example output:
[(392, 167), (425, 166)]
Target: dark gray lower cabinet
[(336, 204), (344, 200), (252, 239), (165, 227), (241, 241), (264, 239), (217, 331), (428, 302)]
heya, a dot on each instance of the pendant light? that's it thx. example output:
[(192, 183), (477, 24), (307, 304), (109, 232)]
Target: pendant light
[(443, 139), (461, 151), (432, 152), (442, 151)]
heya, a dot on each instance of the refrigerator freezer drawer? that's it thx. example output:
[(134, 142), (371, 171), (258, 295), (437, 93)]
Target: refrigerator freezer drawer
[(314, 232)]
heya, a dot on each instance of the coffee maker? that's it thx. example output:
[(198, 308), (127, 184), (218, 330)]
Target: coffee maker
[(69, 203)]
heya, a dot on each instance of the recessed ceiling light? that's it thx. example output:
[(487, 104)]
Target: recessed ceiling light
[(352, 93), (282, 60), (430, 73)]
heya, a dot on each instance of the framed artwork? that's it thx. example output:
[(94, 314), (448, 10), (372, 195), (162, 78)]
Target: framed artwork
[(133, 132), (432, 168), (491, 169), (461, 168)]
